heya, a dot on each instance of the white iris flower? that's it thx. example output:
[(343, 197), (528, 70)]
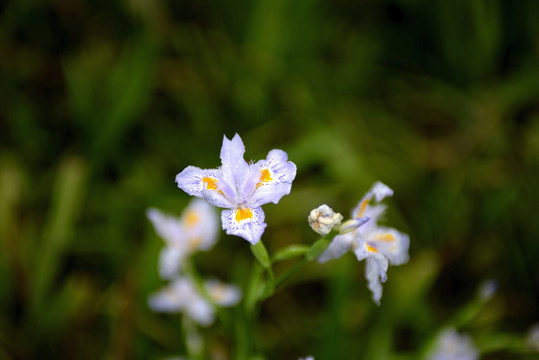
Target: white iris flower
[(182, 296), (380, 246), (241, 188), (195, 230)]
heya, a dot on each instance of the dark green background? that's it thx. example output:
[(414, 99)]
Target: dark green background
[(102, 103)]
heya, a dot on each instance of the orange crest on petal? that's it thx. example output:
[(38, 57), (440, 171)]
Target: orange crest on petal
[(387, 237), (363, 207), (265, 176), (211, 183), (243, 214), (371, 249)]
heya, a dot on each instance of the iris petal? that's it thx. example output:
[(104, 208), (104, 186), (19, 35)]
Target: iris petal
[(170, 261), (338, 247), (271, 178), (365, 207), (376, 271), (217, 198), (269, 193), (234, 167), (280, 169), (167, 227), (200, 223), (392, 244), (192, 179), (222, 294), (247, 223)]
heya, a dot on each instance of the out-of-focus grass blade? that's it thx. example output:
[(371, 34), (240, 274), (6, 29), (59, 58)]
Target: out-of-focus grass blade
[(10, 184), (66, 203), (109, 94)]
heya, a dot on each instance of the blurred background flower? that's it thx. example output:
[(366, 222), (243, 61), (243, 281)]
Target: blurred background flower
[(102, 103)]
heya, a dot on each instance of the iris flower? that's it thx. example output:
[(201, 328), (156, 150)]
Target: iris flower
[(195, 230), (182, 296), (379, 245), (240, 187)]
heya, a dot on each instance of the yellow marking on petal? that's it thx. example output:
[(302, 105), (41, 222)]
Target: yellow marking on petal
[(387, 237), (371, 249), (265, 176), (363, 207), (191, 219), (243, 214), (211, 183)]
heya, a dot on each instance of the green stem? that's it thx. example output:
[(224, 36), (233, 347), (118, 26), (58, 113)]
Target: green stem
[(281, 279), (261, 254), (192, 339), (313, 252)]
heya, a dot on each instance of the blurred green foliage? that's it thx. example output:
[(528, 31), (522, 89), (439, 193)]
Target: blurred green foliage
[(103, 102)]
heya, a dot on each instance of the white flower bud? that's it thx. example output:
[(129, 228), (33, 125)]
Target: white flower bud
[(323, 219)]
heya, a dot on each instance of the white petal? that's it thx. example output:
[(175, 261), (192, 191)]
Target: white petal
[(361, 248), (182, 296), (192, 179), (234, 167), (280, 169), (217, 198), (391, 243), (170, 260), (194, 304), (201, 225), (247, 223), (161, 302), (200, 310), (378, 191), (268, 193), (376, 271), (171, 298), (338, 247), (271, 178), (168, 227), (222, 294)]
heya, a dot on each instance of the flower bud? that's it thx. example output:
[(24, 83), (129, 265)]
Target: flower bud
[(323, 219)]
